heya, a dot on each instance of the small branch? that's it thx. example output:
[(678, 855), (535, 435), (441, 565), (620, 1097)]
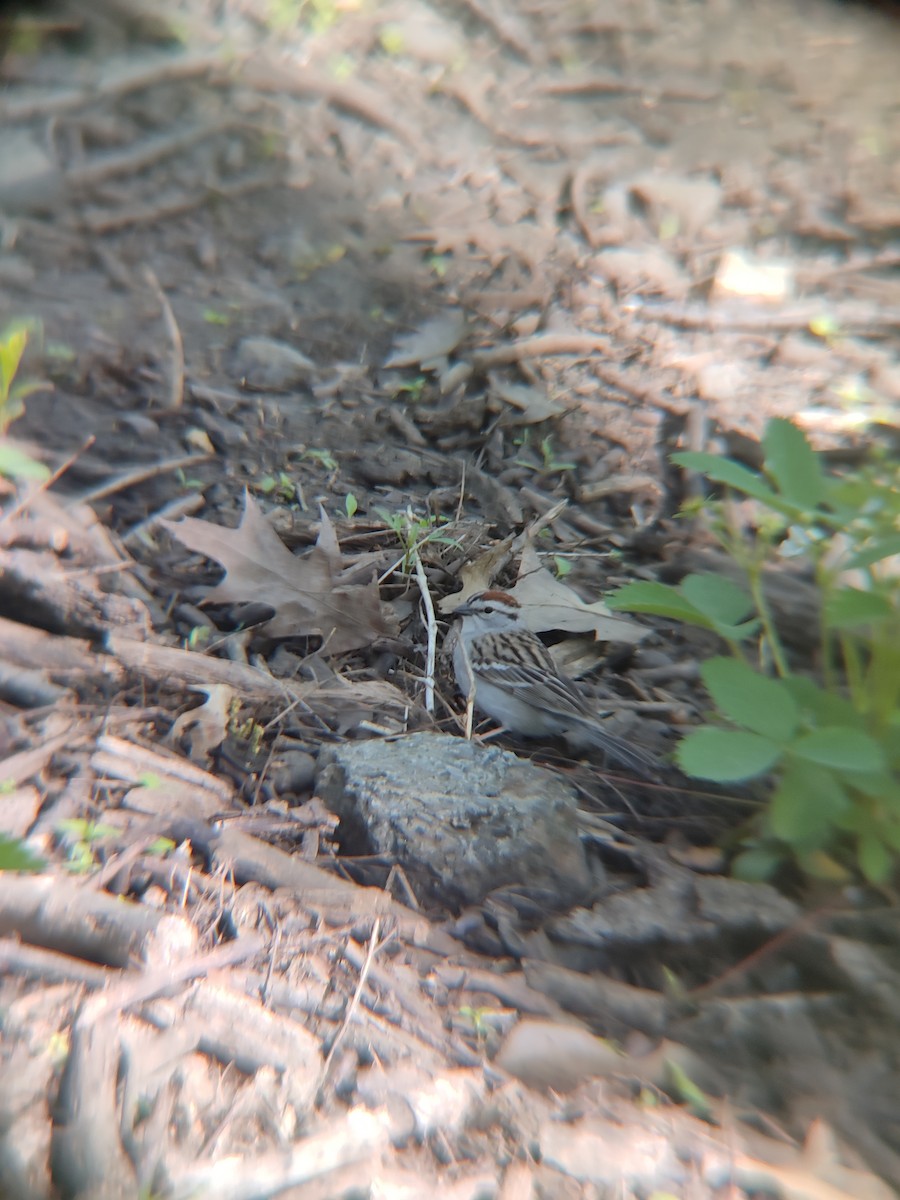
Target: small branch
[(140, 475), (176, 342), (354, 1003), (431, 625), (539, 345), (45, 484)]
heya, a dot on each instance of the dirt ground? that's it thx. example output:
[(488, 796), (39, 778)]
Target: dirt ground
[(372, 284)]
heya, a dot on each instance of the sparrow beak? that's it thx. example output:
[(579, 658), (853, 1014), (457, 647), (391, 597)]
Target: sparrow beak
[(464, 610)]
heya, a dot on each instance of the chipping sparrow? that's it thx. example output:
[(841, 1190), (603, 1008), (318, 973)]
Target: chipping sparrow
[(516, 681)]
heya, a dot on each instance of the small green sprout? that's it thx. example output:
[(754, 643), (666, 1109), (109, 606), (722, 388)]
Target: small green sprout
[(325, 457), (414, 532), (80, 835)]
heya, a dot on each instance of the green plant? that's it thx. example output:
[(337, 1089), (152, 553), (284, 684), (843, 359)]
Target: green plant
[(80, 834), (317, 15), (14, 462), (249, 731), (15, 856), (198, 637), (281, 486), (325, 457), (438, 264), (413, 532), (550, 464), (479, 1020), (828, 732), (188, 482), (412, 389)]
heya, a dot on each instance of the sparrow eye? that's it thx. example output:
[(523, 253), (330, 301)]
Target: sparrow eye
[(488, 608)]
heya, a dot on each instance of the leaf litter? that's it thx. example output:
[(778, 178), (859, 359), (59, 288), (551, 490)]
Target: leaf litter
[(315, 594), (431, 344), (547, 603), (495, 223)]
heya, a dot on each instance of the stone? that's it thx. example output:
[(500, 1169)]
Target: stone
[(462, 819)]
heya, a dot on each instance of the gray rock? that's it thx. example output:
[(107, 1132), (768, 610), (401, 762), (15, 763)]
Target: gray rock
[(266, 364), (461, 819)]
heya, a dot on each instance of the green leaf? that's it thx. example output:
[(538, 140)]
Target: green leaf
[(161, 846), (879, 785), (841, 749), (847, 607), (757, 864), (683, 1088), (728, 472), (874, 858), (762, 705), (825, 707), (16, 464), (793, 464), (720, 599), (821, 865), (12, 346), (15, 856), (659, 599), (726, 755), (881, 548), (890, 833), (806, 804)]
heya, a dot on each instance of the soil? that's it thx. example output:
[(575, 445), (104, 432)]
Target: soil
[(397, 273)]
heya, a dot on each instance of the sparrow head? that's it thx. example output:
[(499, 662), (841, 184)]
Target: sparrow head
[(490, 612)]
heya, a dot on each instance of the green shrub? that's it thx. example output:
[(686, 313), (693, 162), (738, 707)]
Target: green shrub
[(827, 732)]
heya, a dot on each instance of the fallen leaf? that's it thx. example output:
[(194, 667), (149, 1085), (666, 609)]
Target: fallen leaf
[(430, 343), (547, 603), (546, 1054), (532, 403), (307, 593), (693, 203), (478, 574), (646, 270), (205, 727)]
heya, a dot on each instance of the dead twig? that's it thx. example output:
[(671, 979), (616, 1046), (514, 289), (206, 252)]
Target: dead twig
[(354, 1002), (542, 345), (176, 342), (181, 506), (145, 154), (148, 984), (168, 69), (139, 475), (431, 626), (46, 484), (174, 205)]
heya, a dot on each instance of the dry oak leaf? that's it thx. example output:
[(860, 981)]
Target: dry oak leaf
[(431, 343), (311, 595)]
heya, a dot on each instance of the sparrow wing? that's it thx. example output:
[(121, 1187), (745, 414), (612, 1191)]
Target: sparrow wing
[(528, 668)]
